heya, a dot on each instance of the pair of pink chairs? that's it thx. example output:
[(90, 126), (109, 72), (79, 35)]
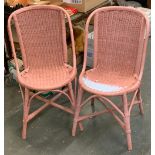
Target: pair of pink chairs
[(120, 42)]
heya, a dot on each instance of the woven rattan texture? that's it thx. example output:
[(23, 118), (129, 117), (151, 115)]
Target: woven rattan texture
[(116, 45), (41, 32)]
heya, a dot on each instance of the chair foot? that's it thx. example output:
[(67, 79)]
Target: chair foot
[(75, 123), (129, 141), (77, 112), (81, 126), (24, 131), (128, 133), (127, 122), (74, 128), (25, 113)]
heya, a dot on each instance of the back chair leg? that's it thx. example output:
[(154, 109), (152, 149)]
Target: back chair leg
[(77, 111), (141, 102), (25, 112), (127, 122), (72, 95), (75, 86), (93, 105)]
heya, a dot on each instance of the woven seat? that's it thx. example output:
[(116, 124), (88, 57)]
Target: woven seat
[(101, 87), (46, 79), (120, 42), (103, 83)]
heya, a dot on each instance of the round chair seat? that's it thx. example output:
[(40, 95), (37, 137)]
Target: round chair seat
[(107, 83), (46, 79)]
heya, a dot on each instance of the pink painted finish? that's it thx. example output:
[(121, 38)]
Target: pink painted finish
[(120, 42), (42, 38)]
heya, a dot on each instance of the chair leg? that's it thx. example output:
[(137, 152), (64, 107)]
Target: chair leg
[(77, 111), (25, 113), (72, 95), (127, 122), (93, 105), (75, 87), (141, 103)]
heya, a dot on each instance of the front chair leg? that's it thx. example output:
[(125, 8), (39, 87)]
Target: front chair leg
[(25, 113), (77, 111), (127, 122), (72, 96)]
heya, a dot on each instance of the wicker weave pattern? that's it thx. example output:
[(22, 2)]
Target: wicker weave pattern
[(111, 78), (46, 79), (42, 37), (41, 32), (117, 47), (117, 41)]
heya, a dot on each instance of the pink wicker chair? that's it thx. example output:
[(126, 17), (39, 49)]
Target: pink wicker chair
[(42, 38), (120, 41)]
